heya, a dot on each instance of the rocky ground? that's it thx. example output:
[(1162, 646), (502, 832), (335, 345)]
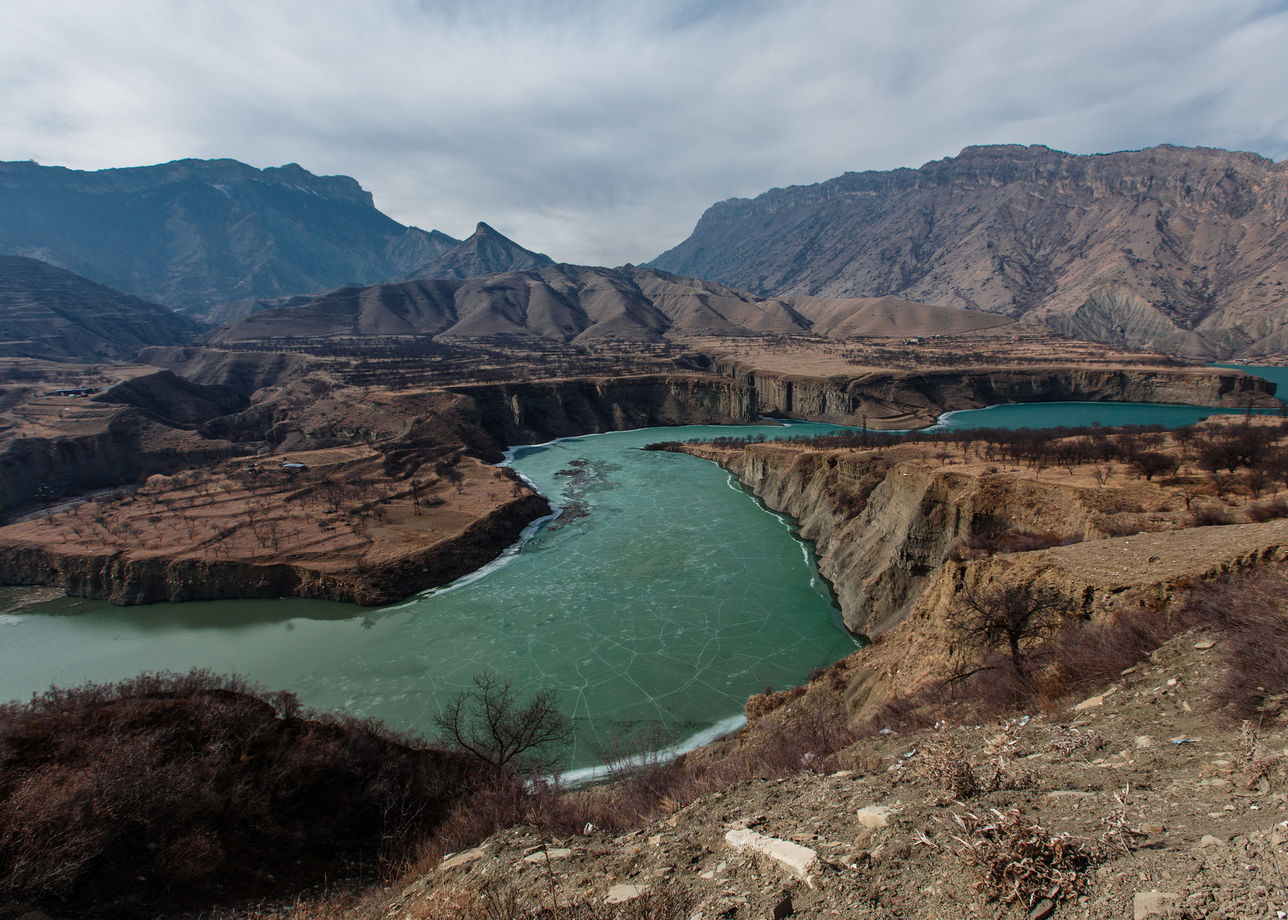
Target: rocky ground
[(1138, 802)]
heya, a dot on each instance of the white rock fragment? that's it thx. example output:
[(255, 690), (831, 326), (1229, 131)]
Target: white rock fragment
[(792, 856), (545, 855), (875, 815), (620, 894), (463, 858), (1093, 701)]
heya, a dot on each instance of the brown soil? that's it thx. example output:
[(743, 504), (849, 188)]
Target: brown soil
[(1000, 348), (337, 513), (1194, 820)]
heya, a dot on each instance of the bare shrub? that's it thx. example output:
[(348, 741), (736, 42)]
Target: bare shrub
[(491, 724), (944, 764), (1014, 858), (1013, 616), (1268, 511), (1090, 653), (1209, 515), (1070, 740), (1256, 763)]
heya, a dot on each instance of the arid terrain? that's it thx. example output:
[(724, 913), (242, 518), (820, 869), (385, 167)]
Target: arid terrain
[(1143, 804), (1131, 761), (354, 469)]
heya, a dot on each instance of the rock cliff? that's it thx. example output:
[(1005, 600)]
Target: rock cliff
[(531, 413), (884, 523), (526, 413)]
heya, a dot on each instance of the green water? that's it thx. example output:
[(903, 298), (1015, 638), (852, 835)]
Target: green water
[(675, 597), (1073, 414)]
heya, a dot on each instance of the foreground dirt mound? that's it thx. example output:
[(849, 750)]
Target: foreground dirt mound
[(1140, 801)]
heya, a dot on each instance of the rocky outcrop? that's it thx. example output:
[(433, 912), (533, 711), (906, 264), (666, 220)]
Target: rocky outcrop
[(122, 579)]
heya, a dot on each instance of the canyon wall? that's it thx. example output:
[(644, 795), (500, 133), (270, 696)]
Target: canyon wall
[(882, 528), (529, 413), (876, 555), (914, 399), (129, 447)]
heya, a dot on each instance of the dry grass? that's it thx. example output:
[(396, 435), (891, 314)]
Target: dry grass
[(1014, 858)]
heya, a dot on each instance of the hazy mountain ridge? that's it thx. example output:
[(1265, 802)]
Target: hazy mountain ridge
[(577, 303), (47, 312), (195, 233), (1173, 248), (565, 303), (486, 252)]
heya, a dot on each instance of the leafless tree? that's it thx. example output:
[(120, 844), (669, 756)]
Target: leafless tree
[(492, 723), (1011, 616)]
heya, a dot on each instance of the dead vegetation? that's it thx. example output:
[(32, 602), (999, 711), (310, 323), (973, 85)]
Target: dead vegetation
[(131, 799), (1014, 858)]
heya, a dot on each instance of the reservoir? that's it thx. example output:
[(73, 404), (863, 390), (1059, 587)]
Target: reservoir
[(664, 598)]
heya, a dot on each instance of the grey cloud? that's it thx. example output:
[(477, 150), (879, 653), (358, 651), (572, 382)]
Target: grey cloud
[(598, 132)]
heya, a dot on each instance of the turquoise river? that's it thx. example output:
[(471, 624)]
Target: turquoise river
[(674, 597)]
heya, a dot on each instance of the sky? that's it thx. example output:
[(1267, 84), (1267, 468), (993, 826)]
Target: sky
[(598, 132)]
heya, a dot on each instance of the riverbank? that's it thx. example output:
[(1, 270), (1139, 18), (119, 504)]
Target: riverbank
[(903, 533)]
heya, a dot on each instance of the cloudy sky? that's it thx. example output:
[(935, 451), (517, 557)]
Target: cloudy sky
[(598, 132)]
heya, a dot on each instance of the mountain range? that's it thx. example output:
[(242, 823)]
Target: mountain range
[(1175, 249), (1178, 250), (195, 233), (581, 304)]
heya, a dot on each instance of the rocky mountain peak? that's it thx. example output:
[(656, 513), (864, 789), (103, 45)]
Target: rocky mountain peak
[(486, 252), (1189, 239)]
